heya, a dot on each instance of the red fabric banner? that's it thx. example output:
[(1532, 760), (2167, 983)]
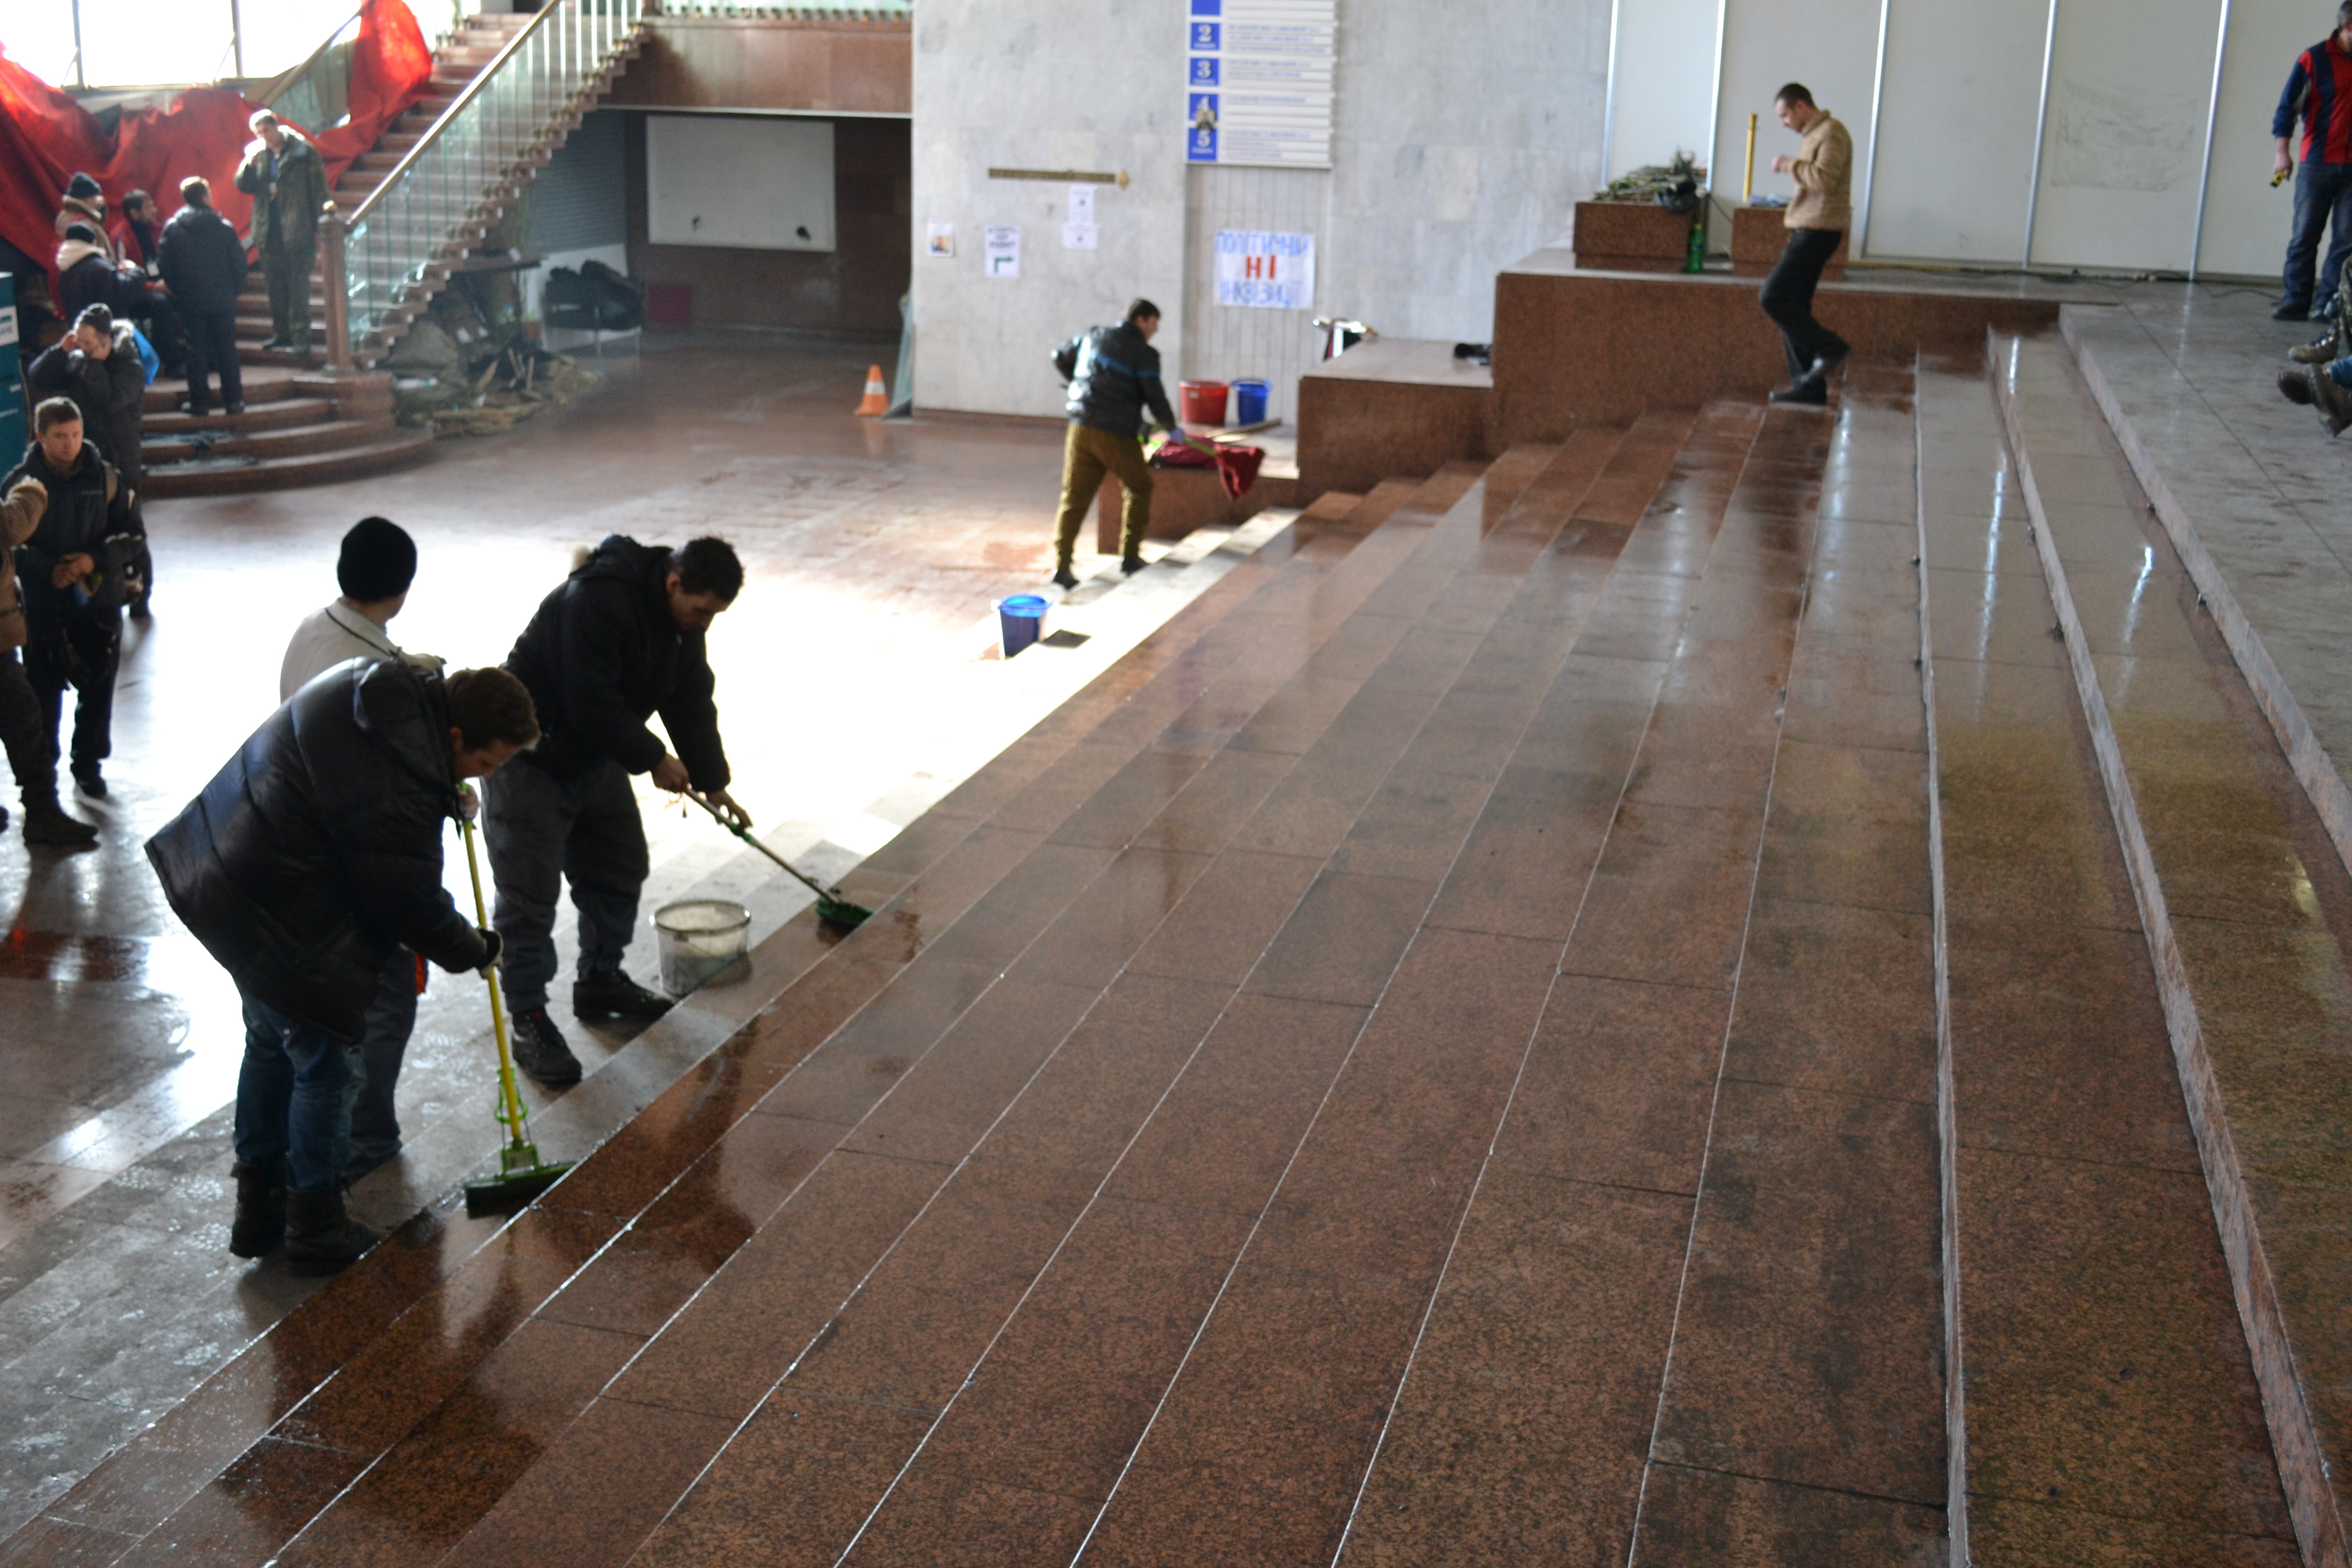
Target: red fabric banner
[(46, 137)]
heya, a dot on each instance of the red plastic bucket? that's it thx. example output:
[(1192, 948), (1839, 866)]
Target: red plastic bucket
[(1201, 402)]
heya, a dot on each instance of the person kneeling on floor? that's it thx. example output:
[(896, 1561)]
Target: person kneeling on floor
[(305, 865), (620, 640)]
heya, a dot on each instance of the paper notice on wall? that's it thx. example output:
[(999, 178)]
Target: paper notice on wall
[(1082, 204), (939, 239), (1079, 237), (1258, 79), (1268, 272), (1004, 251)]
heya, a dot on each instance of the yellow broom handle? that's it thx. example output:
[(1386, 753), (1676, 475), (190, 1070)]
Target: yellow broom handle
[(511, 1099), (1747, 186)]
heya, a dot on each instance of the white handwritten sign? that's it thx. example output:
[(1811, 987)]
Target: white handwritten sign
[(1270, 271)]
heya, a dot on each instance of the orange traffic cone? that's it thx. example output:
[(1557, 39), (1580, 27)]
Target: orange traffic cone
[(877, 401)]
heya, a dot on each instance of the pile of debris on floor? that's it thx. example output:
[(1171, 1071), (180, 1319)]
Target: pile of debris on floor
[(464, 377)]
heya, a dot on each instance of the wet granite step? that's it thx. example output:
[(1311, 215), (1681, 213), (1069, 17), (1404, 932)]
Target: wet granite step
[(132, 1492), (2234, 908)]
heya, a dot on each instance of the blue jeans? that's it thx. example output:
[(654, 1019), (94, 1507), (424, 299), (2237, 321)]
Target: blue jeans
[(390, 1017), (2323, 200), (294, 1096)]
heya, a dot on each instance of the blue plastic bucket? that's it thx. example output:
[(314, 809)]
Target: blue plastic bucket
[(1019, 617), (1249, 400)]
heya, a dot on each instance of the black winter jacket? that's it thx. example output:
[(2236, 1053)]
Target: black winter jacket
[(88, 512), (315, 853), (1114, 376), (112, 394), (95, 280), (602, 654), (202, 260)]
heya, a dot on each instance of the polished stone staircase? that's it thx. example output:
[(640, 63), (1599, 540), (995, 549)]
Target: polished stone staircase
[(1529, 1023), (305, 423)]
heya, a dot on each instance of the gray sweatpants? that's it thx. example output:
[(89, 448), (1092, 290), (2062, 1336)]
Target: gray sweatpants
[(583, 830)]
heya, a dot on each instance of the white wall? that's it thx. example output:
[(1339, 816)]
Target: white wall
[(1042, 84), (1954, 170), (1830, 46), (1665, 97), (1463, 137)]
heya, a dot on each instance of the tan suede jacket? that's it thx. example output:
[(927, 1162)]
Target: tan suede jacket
[(20, 513), (1823, 170)]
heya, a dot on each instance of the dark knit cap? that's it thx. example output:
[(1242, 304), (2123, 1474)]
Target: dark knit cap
[(379, 561), (82, 185)]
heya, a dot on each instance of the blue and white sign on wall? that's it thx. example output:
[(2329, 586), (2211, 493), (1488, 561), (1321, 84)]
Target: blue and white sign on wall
[(1265, 270), (1258, 77)]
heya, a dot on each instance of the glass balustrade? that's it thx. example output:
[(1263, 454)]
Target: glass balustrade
[(479, 152)]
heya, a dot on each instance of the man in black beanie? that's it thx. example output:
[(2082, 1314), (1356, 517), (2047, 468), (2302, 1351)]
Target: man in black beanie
[(377, 563)]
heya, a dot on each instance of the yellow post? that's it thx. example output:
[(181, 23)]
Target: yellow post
[(1747, 186)]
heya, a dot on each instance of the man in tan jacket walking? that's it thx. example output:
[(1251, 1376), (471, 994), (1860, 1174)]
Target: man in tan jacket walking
[(1818, 219)]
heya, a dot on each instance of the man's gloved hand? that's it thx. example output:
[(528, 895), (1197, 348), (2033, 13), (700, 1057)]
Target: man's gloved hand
[(469, 804), (494, 943)]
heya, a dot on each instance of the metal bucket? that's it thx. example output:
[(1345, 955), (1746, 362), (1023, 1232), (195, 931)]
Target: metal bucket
[(701, 940)]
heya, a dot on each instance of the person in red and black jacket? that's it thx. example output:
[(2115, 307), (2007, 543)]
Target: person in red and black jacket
[(2319, 93)]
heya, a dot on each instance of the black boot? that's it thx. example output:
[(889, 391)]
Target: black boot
[(46, 822), (1063, 577), (320, 1238), (260, 1223), (616, 995), (541, 1050)]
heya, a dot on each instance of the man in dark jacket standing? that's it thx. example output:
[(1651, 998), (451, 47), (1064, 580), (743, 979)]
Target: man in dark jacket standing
[(97, 365), (621, 640), (75, 574), (306, 865), (202, 260), (1114, 376), (282, 174)]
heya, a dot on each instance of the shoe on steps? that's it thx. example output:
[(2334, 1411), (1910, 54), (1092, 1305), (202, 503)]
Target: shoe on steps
[(616, 995), (91, 782), (1827, 365), (320, 1238), (237, 408), (1131, 564), (2319, 351), (539, 1049), (2290, 312), (260, 1222), (2296, 384), (46, 822), (2333, 401), (1809, 394), (1066, 578)]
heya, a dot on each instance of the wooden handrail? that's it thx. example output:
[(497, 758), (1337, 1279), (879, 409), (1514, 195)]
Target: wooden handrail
[(432, 132)]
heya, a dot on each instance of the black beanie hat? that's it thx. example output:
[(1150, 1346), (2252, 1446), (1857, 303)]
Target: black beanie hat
[(379, 561), (82, 185)]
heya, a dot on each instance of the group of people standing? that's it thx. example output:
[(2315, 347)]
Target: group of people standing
[(310, 867)]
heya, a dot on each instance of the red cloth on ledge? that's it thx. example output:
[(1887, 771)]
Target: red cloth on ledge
[(46, 137), (1236, 465)]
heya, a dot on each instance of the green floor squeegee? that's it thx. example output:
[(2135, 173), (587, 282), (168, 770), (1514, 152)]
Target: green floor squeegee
[(832, 907), (523, 1175)]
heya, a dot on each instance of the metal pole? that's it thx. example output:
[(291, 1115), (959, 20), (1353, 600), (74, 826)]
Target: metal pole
[(1714, 113), (235, 36), (1609, 100), (2040, 130), (2212, 117), (81, 74), (1870, 163)]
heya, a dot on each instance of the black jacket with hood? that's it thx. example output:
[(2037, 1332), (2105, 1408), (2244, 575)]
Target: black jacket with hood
[(203, 261), (88, 512), (112, 394), (602, 654), (1114, 376), (315, 854)]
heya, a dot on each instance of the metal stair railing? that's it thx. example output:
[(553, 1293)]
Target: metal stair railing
[(393, 249)]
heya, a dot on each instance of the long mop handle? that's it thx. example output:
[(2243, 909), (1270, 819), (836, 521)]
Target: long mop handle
[(743, 833), (510, 1110)]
